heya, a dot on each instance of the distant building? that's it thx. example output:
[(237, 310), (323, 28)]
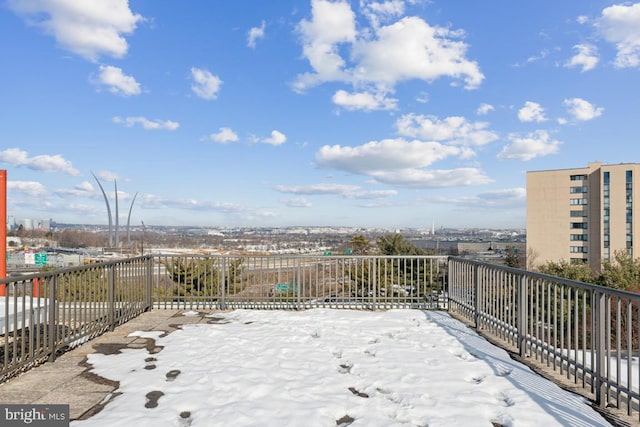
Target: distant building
[(583, 215), (28, 223)]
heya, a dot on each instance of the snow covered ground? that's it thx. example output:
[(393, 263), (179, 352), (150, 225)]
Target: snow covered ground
[(12, 313), (326, 367)]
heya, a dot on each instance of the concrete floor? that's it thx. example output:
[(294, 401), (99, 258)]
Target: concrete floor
[(69, 379)]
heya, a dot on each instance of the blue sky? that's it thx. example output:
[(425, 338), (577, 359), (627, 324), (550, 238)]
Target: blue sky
[(399, 113)]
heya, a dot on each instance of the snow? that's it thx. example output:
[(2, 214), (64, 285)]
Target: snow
[(31, 311), (327, 367)]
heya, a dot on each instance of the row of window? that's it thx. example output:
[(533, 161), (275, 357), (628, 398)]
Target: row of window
[(578, 189), (606, 212), (583, 201)]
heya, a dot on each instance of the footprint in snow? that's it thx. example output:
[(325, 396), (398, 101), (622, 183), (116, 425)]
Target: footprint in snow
[(185, 419), (152, 398), (477, 379), (172, 374), (148, 363), (345, 368)]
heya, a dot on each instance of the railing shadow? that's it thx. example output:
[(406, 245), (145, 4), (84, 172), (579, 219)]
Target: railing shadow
[(561, 404)]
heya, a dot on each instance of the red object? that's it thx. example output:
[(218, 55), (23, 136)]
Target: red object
[(3, 230), (36, 287)]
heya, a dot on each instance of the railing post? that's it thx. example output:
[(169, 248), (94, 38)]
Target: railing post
[(112, 297), (297, 284), (149, 284), (53, 330), (223, 279), (600, 344), (477, 294), (521, 310), (375, 284)]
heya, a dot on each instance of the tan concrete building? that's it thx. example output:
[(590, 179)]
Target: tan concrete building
[(584, 214)]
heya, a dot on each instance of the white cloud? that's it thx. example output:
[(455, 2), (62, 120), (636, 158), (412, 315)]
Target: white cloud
[(224, 135), (531, 112), (388, 154), (371, 195), (297, 203), (84, 189), (620, 25), (504, 197), (87, 28), (484, 109), (380, 56), (332, 23), (378, 12), (510, 197), (276, 138), (400, 163), (117, 82), (107, 175), (423, 178), (587, 57), (582, 110), (543, 54), (146, 123), (582, 19), (364, 101), (346, 191), (31, 188), (530, 146), (84, 186), (454, 130), (42, 163), (255, 34), (317, 189), (422, 98), (412, 49), (205, 85)]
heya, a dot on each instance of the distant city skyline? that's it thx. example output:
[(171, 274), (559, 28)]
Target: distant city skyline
[(391, 114)]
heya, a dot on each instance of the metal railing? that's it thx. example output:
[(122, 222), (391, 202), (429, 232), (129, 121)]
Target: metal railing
[(374, 282), (46, 314), (587, 334)]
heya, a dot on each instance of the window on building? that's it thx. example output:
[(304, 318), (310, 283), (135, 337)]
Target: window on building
[(579, 225), (629, 177), (582, 201), (578, 177), (582, 189), (578, 261), (579, 237), (579, 250), (581, 213)]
